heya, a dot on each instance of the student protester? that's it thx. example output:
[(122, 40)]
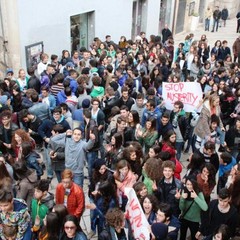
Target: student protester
[(57, 152), (206, 180), (106, 198), (180, 126), (42, 203), (7, 128), (124, 177), (168, 189), (117, 226), (51, 227), (164, 215), (149, 206), (72, 229), (192, 202), (75, 150), (70, 194), (26, 181), (220, 211), (208, 153), (14, 212)]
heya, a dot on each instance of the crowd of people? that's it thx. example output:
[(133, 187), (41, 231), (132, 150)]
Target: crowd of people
[(102, 109)]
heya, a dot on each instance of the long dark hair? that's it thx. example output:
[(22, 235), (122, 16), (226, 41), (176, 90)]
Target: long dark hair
[(167, 136), (194, 184), (107, 192), (212, 173), (52, 228), (74, 219), (118, 140), (196, 162), (20, 171)]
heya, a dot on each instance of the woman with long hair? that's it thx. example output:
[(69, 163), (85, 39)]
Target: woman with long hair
[(113, 150), (152, 173), (148, 135), (217, 49), (129, 154), (51, 229), (191, 204), (206, 180), (194, 166), (168, 145), (124, 177), (134, 122), (211, 106), (195, 67), (62, 212), (30, 157), (105, 199), (20, 136), (149, 206), (27, 179), (72, 229)]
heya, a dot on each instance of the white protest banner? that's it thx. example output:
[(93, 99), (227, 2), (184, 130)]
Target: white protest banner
[(190, 93), (134, 212)]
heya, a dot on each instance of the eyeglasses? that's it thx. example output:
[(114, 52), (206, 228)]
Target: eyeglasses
[(71, 228)]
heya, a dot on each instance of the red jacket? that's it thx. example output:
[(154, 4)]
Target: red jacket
[(172, 151), (75, 200)]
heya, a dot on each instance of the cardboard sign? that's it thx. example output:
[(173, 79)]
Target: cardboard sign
[(190, 93), (136, 216)]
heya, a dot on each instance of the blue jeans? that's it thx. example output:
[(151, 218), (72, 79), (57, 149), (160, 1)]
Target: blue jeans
[(179, 147), (215, 24), (58, 175), (221, 135), (78, 179), (91, 158), (48, 162), (207, 24)]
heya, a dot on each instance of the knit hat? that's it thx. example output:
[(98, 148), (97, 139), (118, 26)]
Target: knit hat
[(86, 103), (98, 163), (70, 64), (160, 231)]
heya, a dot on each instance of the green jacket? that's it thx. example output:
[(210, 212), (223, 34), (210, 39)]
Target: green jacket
[(41, 208), (148, 182), (193, 214), (149, 140)]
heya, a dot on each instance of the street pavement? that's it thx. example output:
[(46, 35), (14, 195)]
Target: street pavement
[(224, 33)]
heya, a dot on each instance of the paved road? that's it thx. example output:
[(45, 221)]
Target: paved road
[(224, 33)]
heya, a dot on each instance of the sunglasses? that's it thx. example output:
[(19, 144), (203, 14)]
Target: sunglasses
[(71, 228)]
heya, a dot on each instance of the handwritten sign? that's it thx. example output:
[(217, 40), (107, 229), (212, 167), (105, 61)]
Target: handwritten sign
[(190, 93), (134, 213)]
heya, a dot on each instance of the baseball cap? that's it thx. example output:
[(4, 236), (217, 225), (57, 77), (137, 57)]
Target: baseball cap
[(9, 70), (70, 64)]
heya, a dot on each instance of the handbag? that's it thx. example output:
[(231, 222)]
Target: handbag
[(181, 216)]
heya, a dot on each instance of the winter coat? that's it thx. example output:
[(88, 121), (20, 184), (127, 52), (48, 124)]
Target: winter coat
[(58, 163), (42, 207), (166, 194), (25, 188), (224, 14), (236, 47), (109, 233), (75, 199), (32, 162), (19, 217), (202, 128)]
